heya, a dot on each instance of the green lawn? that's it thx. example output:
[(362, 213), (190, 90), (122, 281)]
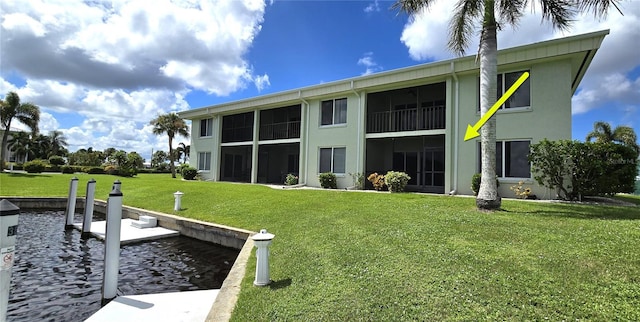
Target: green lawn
[(346, 256)]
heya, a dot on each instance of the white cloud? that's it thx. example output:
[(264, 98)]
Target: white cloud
[(372, 7), (261, 82), (426, 35), (128, 45), (369, 63)]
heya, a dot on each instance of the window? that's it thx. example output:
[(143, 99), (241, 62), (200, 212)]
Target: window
[(333, 160), (204, 161), (511, 159), (333, 112), (206, 127), (520, 98)]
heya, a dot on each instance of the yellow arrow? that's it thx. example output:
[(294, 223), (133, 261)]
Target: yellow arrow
[(472, 131)]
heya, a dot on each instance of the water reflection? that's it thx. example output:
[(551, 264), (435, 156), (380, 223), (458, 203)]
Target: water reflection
[(57, 275)]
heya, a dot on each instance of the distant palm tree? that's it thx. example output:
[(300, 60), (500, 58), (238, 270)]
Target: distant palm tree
[(624, 135), (11, 108), (172, 125), (57, 143), (40, 146), (493, 15), (19, 143), (184, 151)]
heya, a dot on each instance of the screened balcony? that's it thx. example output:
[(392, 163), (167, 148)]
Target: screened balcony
[(407, 109), (280, 123)]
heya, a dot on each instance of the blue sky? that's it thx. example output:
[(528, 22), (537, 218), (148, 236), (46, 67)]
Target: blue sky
[(101, 70)]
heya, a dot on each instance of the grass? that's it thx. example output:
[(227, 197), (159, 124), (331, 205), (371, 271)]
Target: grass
[(341, 255), (635, 199)]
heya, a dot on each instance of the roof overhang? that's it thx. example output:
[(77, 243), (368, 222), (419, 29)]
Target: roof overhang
[(579, 49)]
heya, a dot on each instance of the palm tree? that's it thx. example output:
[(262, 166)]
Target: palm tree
[(171, 124), (493, 15), (40, 146), (20, 144), (11, 108), (184, 150), (624, 135), (57, 143)]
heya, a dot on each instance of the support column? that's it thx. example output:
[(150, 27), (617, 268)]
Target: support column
[(254, 150), (112, 244), (8, 231), (215, 149), (302, 168), (88, 208), (71, 203)]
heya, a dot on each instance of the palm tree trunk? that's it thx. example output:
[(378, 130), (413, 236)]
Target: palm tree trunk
[(3, 145), (171, 165), (488, 197)]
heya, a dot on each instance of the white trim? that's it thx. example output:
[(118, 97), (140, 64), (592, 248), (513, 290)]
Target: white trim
[(404, 133), (243, 143), (282, 141)]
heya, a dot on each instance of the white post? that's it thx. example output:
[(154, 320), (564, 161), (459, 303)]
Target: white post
[(71, 202), (88, 208), (262, 241), (112, 244), (8, 231), (177, 205)]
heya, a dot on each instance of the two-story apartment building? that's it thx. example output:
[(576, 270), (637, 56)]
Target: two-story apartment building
[(411, 119)]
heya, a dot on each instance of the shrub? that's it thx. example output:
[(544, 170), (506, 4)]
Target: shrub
[(189, 173), (111, 169), (291, 179), (358, 180), (179, 168), (68, 169), (396, 180), (475, 183), (35, 166), (94, 170), (328, 180), (576, 169), (377, 180), (56, 160), (519, 191), (52, 168)]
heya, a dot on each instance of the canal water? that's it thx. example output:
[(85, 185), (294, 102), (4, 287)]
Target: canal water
[(57, 276)]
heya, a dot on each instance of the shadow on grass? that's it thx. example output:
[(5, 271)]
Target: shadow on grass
[(27, 175), (578, 211), (276, 285)]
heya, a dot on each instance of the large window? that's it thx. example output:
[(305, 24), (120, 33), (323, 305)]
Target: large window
[(333, 112), (204, 161), (521, 98), (511, 159), (333, 160), (206, 127)]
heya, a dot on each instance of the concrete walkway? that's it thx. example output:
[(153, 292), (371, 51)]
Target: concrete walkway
[(128, 233), (190, 306)]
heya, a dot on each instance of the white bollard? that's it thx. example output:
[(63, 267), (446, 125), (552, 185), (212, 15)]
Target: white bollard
[(177, 205), (71, 202), (88, 208), (8, 231), (112, 245), (262, 241)]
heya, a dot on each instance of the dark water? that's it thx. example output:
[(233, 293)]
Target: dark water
[(57, 276)]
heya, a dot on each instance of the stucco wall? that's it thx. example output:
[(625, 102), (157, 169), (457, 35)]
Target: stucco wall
[(549, 117)]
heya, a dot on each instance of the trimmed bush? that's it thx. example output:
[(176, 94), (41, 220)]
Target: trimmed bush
[(94, 170), (69, 169), (57, 160), (396, 181), (291, 179), (189, 173), (328, 180), (35, 166), (377, 180), (111, 169)]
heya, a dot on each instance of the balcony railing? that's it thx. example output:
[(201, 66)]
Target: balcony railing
[(422, 118), (279, 131)]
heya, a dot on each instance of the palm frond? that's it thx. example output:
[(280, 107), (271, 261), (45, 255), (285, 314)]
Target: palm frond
[(599, 8), (510, 11), (559, 12), (461, 28), (412, 6)]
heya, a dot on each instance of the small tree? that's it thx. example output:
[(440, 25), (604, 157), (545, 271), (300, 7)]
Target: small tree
[(172, 125)]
